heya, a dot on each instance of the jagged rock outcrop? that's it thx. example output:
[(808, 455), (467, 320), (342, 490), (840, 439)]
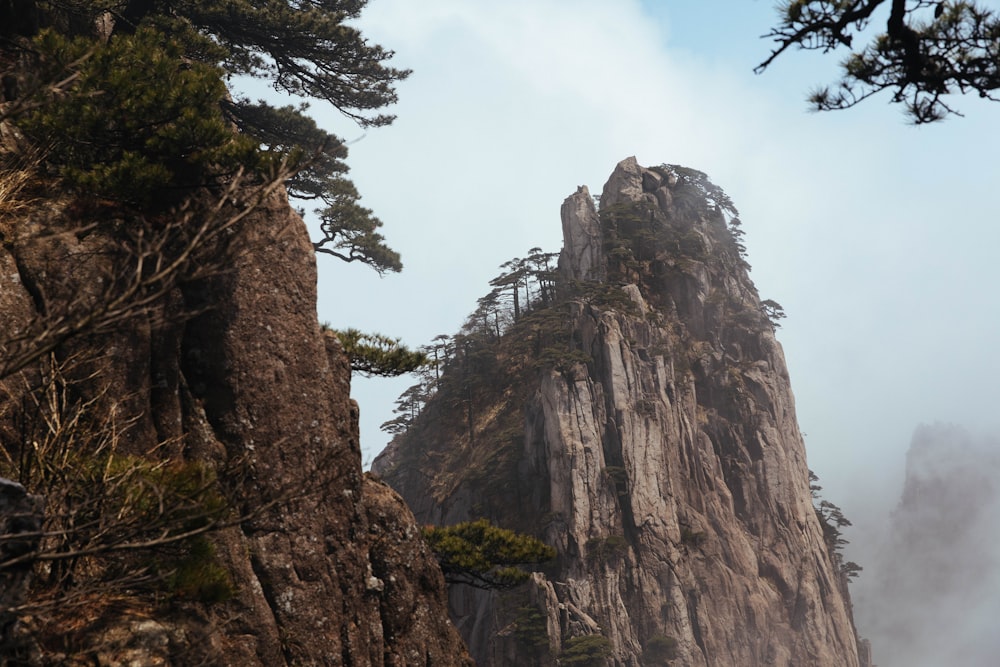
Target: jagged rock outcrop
[(648, 432), (581, 256), (227, 370)]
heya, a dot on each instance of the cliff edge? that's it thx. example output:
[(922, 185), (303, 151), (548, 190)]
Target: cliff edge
[(170, 396), (635, 412)]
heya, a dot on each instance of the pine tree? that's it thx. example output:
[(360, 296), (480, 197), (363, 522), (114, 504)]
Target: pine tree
[(305, 49), (134, 134), (927, 51), (375, 354), (482, 555)]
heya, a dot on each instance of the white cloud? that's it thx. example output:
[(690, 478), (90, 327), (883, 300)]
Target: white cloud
[(877, 238), (510, 107)]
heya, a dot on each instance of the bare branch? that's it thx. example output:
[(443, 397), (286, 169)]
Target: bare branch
[(157, 267), (928, 51)]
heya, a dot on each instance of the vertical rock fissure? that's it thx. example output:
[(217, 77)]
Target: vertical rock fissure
[(692, 608), (615, 460), (30, 286), (683, 511), (270, 597)]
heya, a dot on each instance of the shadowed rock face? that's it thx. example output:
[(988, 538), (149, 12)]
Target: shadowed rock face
[(20, 514), (667, 469), (233, 371)]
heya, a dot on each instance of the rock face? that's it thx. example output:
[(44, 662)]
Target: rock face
[(20, 513), (581, 257), (227, 369), (659, 454)]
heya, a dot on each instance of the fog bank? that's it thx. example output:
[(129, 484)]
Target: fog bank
[(931, 595)]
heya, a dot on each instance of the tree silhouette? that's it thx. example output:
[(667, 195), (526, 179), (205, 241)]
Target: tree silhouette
[(374, 354), (929, 49)]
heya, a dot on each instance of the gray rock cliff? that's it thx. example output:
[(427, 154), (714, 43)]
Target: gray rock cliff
[(648, 433), (581, 257)]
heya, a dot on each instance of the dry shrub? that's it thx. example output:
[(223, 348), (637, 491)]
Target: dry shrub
[(17, 172)]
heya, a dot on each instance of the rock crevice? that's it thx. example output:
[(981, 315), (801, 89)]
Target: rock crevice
[(227, 371), (661, 454)]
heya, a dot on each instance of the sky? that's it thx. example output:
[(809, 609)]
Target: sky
[(877, 237)]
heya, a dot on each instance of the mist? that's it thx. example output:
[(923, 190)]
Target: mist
[(930, 595), (877, 238)]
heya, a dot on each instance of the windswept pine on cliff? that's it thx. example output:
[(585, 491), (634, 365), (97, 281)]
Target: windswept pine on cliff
[(186, 453), (630, 407)]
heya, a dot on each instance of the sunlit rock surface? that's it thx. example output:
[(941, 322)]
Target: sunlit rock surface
[(582, 257), (660, 455)]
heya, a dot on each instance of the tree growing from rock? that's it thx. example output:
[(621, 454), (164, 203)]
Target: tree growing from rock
[(126, 119), (586, 651), (374, 354), (305, 50), (832, 521), (479, 554)]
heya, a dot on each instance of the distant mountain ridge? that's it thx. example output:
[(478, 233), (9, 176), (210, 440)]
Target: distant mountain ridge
[(932, 591), (631, 408)]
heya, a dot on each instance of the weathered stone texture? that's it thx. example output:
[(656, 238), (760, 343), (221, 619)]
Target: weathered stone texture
[(583, 254), (250, 386), (669, 472)]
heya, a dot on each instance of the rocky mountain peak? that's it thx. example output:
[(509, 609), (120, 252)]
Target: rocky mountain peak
[(582, 256), (931, 583), (643, 424), (627, 183)]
